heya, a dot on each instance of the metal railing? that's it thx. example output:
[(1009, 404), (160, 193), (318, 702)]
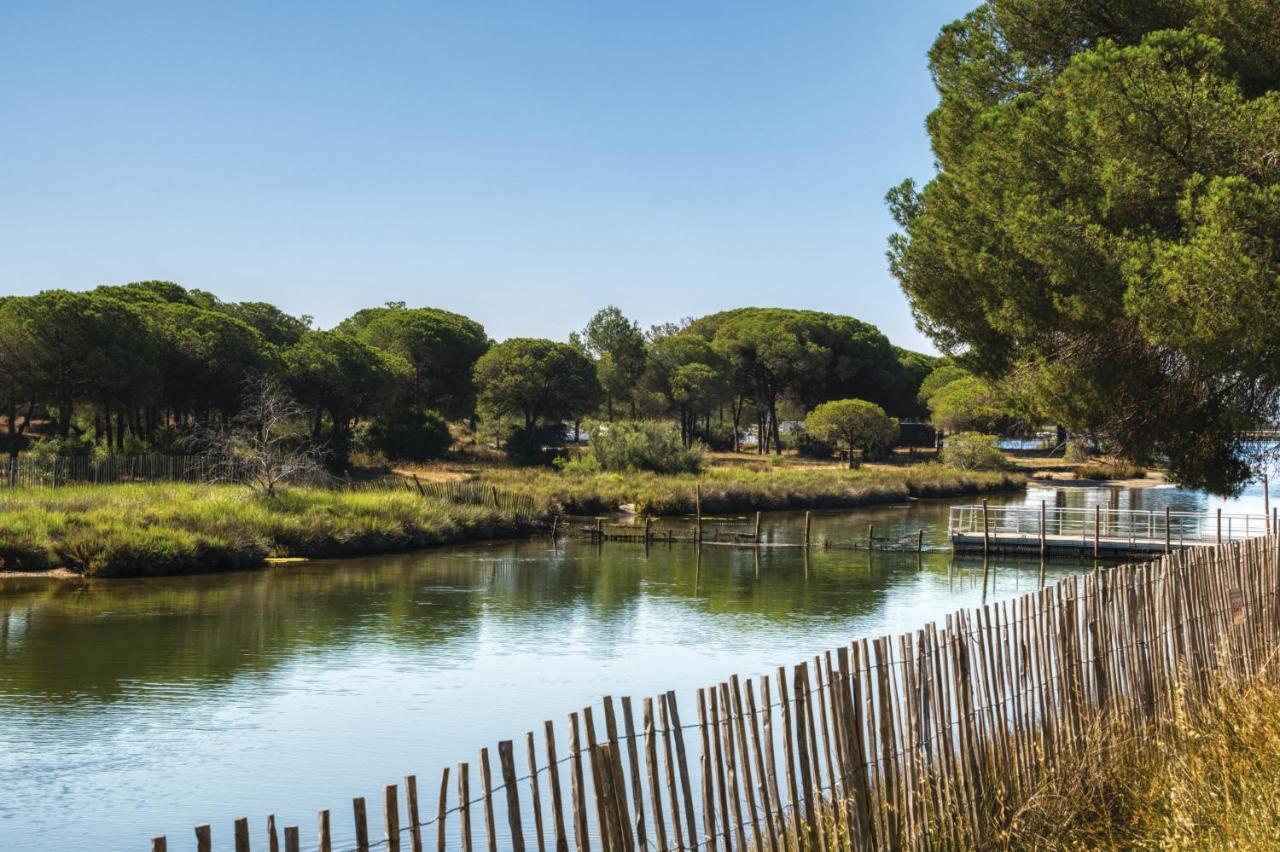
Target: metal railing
[(1131, 525)]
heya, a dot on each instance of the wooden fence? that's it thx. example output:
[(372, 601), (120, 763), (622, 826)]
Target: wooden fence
[(913, 741), (27, 471)]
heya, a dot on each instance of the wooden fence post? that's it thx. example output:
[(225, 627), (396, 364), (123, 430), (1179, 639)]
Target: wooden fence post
[(361, 817), (1168, 536), (323, 843), (1097, 522), (697, 511), (1219, 525), (391, 817), (1042, 533), (986, 528)]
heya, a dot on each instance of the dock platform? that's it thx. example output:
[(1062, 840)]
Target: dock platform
[(1096, 531)]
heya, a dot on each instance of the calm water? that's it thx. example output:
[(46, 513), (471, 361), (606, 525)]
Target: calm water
[(133, 708)]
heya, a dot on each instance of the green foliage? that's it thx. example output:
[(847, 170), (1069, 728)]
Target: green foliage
[(1102, 222), (335, 372), (441, 349), (974, 451), (807, 445), (538, 380), (618, 346), (1106, 470), (410, 433), (968, 404), (626, 446), (688, 376), (853, 425)]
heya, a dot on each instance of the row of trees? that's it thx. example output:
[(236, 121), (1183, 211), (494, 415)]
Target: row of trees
[(143, 365)]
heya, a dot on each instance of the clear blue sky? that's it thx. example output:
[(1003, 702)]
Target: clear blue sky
[(522, 163)]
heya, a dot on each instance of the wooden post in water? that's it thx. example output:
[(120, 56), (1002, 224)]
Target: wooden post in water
[(808, 522), (871, 534), (555, 524), (1097, 522), (323, 843), (242, 835), (599, 529), (391, 817), (755, 534), (362, 824), (920, 540), (697, 511), (291, 841), (1266, 504), (273, 838), (204, 842), (1042, 541), (986, 534), (647, 522), (159, 844)]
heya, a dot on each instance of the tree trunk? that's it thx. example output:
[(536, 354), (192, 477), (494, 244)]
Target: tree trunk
[(777, 435)]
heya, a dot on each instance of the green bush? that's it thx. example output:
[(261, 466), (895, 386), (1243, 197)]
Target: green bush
[(973, 451), (1110, 470), (807, 446), (635, 445), (410, 433)]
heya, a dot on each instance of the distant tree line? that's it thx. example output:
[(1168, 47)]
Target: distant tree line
[(142, 366)]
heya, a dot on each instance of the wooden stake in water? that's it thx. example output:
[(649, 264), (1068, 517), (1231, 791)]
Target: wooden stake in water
[(808, 522), (986, 534), (1042, 539), (1097, 523), (1266, 503), (755, 534), (697, 511)]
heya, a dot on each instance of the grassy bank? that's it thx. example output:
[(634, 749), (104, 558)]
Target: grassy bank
[(146, 530), (1207, 780), (733, 489)]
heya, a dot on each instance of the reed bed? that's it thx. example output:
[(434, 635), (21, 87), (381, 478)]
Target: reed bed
[(181, 528), (736, 489)]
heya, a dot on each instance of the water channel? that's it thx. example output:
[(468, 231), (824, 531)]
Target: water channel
[(135, 708)]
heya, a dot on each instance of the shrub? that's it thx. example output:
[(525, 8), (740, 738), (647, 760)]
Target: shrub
[(807, 446), (973, 451), (1110, 470), (410, 433), (643, 445)]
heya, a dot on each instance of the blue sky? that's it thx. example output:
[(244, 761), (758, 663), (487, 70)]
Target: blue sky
[(522, 163)]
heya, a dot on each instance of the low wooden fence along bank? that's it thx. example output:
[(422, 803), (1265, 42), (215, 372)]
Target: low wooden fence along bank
[(900, 742)]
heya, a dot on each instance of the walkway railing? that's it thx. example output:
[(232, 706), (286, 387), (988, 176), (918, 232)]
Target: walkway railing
[(894, 743), (1181, 529)]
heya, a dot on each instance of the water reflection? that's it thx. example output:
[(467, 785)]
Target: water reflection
[(140, 707)]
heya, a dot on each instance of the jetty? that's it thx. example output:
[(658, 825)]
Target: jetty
[(1096, 530)]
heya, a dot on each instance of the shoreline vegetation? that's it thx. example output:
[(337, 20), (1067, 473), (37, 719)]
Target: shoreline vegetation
[(135, 530)]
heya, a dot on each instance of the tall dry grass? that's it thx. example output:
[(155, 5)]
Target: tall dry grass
[(1207, 779), (738, 489)]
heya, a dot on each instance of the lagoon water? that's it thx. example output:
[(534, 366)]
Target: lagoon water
[(135, 708)]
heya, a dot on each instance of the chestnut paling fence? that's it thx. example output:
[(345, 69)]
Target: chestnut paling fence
[(911, 741)]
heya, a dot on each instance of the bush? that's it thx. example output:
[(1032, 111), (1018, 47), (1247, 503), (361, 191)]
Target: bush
[(628, 446), (1110, 470), (973, 451), (538, 446), (807, 446), (413, 434)]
